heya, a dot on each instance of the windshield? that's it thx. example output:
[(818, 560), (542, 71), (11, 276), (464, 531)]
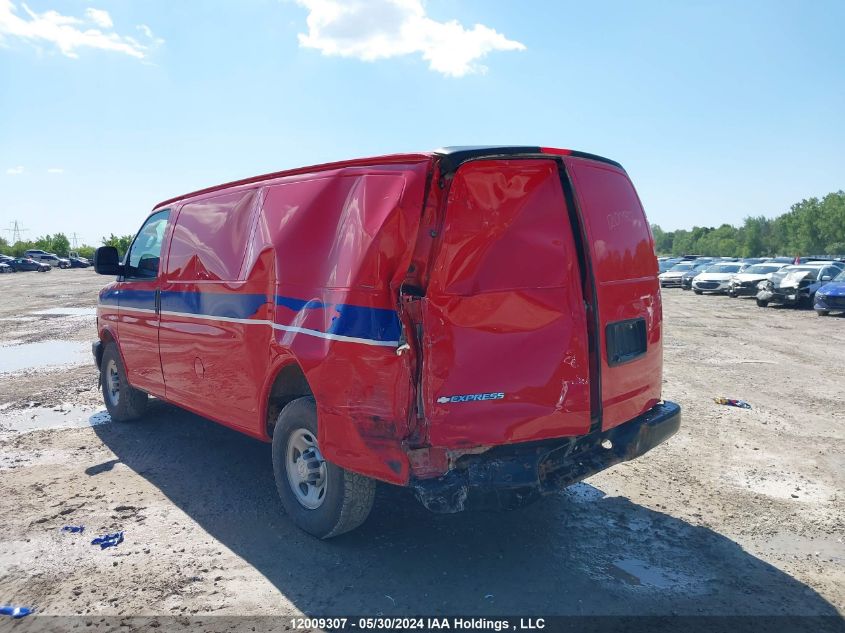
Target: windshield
[(761, 269), (840, 277), (724, 268)]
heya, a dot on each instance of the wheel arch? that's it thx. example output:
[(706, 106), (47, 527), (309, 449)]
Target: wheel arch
[(286, 383)]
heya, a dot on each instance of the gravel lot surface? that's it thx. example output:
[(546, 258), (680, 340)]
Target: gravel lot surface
[(742, 512)]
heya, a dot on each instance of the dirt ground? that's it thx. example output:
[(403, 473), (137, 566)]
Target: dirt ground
[(742, 512)]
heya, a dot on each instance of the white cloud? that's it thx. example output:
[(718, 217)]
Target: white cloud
[(148, 33), (379, 29), (55, 170), (100, 18), (68, 33), (15, 171)]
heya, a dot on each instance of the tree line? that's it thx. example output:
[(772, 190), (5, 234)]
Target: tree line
[(59, 244), (811, 227)]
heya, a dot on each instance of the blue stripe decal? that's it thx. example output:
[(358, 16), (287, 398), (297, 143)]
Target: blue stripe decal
[(359, 322), (142, 299), (376, 324), (213, 304), (297, 305)]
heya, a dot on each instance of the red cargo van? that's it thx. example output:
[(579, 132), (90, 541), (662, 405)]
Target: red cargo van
[(482, 324)]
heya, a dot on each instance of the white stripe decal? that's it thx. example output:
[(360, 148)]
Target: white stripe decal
[(284, 328)]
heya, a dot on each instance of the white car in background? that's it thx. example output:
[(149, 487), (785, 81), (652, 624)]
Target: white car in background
[(672, 277), (744, 284), (717, 278)]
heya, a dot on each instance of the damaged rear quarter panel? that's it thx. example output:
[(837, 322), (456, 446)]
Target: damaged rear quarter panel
[(342, 239)]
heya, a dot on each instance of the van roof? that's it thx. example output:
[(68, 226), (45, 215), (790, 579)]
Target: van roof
[(451, 158)]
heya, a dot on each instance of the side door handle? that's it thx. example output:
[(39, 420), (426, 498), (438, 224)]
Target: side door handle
[(158, 301)]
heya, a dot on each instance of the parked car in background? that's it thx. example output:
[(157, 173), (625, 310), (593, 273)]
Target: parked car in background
[(55, 261), (665, 264), (700, 265), (672, 277), (716, 277), (831, 296), (47, 258), (27, 263), (745, 284), (5, 268), (796, 285), (79, 262), (782, 260)]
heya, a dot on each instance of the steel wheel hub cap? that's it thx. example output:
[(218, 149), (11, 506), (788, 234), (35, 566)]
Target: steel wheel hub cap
[(306, 469), (112, 385)]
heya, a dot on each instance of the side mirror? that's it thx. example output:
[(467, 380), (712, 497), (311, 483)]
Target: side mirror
[(107, 261), (826, 278)]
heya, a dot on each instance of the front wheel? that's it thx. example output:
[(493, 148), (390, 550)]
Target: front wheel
[(123, 401), (762, 303), (697, 291), (822, 312), (322, 499)]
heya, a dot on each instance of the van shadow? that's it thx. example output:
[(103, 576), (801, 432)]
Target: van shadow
[(579, 552)]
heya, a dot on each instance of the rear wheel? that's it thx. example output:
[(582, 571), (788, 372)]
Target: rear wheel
[(322, 499), (822, 312), (762, 303), (697, 291), (123, 401)]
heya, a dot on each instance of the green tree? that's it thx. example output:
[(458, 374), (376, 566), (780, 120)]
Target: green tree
[(121, 243), (60, 245)]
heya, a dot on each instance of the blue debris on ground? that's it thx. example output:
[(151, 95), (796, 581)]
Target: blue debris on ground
[(74, 529), (15, 612), (109, 540), (733, 402)]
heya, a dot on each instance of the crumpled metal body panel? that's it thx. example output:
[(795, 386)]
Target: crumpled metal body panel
[(342, 242), (503, 312)]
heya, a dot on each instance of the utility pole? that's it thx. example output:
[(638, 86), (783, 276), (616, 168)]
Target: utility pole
[(15, 232), (75, 241)]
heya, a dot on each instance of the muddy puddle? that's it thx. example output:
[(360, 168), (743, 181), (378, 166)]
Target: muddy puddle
[(43, 354), (637, 573), (40, 418), (67, 312)]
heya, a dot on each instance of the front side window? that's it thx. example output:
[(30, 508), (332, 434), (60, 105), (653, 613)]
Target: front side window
[(144, 255)]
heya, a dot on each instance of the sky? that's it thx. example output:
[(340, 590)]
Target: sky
[(718, 110)]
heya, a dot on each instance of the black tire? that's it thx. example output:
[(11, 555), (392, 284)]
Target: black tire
[(822, 312), (762, 303), (698, 292), (732, 294), (348, 496), (130, 403)]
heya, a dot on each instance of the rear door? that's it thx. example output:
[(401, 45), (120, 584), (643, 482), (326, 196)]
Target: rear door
[(505, 350), (624, 269)]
